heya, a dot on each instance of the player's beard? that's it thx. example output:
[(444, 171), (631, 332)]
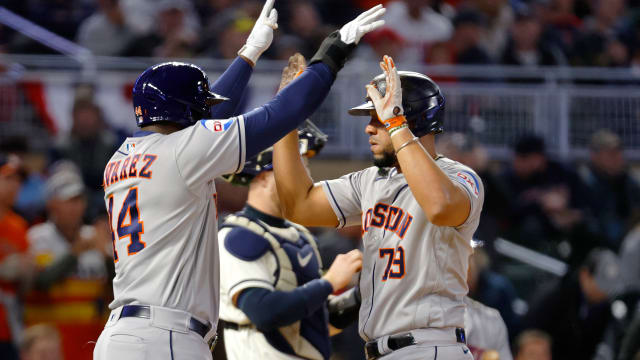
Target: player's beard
[(386, 159)]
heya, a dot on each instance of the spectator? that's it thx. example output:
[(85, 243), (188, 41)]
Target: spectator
[(600, 44), (30, 201), (464, 47), (526, 47), (614, 194), (306, 24), (417, 23), (533, 345), (459, 147), (485, 330), (500, 17), (562, 25), (41, 342), (384, 41), (61, 17), (576, 310), (287, 45), (547, 203), (73, 261), (105, 32), (493, 290), (141, 16), (89, 146), (172, 37), (232, 29), (14, 262)]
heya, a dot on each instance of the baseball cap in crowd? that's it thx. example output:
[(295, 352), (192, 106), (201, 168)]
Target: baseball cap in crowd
[(604, 140), (604, 266), (64, 185)]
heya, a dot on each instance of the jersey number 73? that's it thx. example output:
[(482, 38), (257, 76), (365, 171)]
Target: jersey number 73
[(133, 229), (395, 263)]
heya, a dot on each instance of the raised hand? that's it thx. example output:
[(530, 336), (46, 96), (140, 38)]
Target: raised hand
[(389, 108), (353, 31), (296, 65), (261, 35)]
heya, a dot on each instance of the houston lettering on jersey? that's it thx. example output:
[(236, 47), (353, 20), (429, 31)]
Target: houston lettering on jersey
[(388, 217), (128, 168)]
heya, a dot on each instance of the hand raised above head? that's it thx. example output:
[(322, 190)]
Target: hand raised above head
[(296, 65)]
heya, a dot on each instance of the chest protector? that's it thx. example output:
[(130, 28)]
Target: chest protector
[(299, 262)]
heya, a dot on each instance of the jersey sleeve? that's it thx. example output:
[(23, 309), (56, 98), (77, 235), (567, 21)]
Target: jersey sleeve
[(468, 180), (249, 263), (344, 195), (209, 149)]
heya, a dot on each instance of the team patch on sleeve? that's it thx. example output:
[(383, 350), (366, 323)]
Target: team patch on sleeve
[(469, 181), (217, 125)]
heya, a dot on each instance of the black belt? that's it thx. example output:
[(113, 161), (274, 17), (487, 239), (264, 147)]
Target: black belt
[(399, 341), (144, 311), (233, 326)]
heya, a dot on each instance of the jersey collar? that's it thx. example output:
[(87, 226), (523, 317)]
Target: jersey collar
[(254, 213), (141, 133)]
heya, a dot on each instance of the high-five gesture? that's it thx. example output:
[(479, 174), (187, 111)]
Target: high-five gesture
[(337, 47), (262, 33), (389, 107), (352, 32), (296, 65)]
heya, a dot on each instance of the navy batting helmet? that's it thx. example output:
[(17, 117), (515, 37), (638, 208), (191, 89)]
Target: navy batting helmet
[(422, 101), (173, 92), (310, 141)]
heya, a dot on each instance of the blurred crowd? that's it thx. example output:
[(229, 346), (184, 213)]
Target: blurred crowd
[(55, 243), (511, 32), (56, 259)]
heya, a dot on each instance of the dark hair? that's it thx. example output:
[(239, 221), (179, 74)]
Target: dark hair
[(530, 144)]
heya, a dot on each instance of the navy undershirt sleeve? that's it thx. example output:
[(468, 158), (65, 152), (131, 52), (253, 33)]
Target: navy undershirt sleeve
[(285, 307), (267, 124), (231, 84)]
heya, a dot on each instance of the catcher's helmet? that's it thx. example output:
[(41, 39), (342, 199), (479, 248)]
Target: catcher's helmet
[(422, 101), (310, 141), (173, 92)]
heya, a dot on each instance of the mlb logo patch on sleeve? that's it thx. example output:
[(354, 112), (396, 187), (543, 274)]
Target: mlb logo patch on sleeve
[(469, 181), (217, 125)]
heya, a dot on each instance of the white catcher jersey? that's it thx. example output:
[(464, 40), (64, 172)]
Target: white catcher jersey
[(161, 200), (414, 273)]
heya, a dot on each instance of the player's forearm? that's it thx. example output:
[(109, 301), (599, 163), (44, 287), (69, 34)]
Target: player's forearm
[(231, 84), (443, 202), (285, 307), (292, 180), (288, 109)]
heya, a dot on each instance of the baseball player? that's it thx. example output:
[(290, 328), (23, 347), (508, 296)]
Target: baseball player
[(160, 194), (486, 331), (276, 266), (418, 211)]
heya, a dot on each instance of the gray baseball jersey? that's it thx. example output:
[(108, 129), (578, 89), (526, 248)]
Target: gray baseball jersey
[(485, 329), (161, 200), (414, 273)]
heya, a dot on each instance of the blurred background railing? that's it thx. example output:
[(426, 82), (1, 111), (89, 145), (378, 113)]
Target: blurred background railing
[(493, 104)]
